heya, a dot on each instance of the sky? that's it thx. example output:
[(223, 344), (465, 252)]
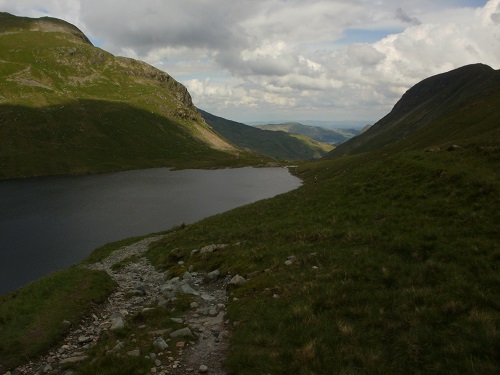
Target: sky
[(259, 60)]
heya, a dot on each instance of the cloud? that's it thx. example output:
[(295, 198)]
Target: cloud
[(321, 59), (401, 15)]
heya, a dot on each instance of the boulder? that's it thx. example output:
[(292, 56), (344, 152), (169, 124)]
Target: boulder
[(117, 323), (212, 248), (214, 275), (183, 332), (160, 343), (237, 280), (186, 289)]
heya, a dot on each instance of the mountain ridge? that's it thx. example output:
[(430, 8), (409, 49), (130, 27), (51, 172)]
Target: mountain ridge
[(278, 145), (332, 136), (429, 101)]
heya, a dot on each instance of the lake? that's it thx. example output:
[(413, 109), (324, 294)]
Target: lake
[(50, 223)]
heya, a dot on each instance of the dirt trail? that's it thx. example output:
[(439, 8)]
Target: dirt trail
[(204, 354)]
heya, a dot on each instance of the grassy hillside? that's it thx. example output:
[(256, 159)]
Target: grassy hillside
[(396, 267), (67, 106), (434, 102), (317, 133), (278, 145)]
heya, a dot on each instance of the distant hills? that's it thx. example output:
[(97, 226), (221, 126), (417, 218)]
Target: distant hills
[(69, 107), (449, 106), (333, 136), (276, 144), (332, 124)]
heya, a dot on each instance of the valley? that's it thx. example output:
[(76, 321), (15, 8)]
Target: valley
[(384, 261)]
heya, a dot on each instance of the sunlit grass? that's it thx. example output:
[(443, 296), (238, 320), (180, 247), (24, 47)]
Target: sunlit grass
[(35, 317)]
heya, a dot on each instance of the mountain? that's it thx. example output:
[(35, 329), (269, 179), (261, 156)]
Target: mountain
[(382, 262), (69, 107), (315, 132), (278, 145), (333, 125), (434, 111)]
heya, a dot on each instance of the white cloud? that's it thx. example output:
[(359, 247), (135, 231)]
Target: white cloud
[(252, 59)]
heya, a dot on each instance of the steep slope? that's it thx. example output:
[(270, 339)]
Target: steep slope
[(278, 145), (315, 132), (435, 100), (69, 107)]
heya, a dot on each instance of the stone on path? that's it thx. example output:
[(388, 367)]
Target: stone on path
[(117, 323), (84, 339), (203, 369), (160, 343), (186, 289), (214, 275), (183, 332), (74, 359)]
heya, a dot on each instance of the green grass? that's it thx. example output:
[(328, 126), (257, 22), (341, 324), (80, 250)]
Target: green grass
[(97, 136), (32, 318), (406, 250)]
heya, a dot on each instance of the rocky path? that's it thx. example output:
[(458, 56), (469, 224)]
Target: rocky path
[(204, 334)]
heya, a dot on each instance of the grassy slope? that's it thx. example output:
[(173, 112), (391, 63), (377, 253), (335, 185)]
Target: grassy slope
[(429, 103), (277, 145), (406, 245), (32, 318), (68, 107), (94, 136)]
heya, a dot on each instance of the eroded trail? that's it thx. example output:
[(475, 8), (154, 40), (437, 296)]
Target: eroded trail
[(198, 345)]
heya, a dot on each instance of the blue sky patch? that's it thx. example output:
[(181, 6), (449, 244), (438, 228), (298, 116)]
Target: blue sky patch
[(365, 36), (96, 42)]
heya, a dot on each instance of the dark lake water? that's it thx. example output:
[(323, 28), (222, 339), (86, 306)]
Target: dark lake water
[(50, 223)]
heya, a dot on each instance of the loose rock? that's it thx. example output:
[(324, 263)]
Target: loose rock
[(183, 332), (237, 280), (117, 323), (160, 343)]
